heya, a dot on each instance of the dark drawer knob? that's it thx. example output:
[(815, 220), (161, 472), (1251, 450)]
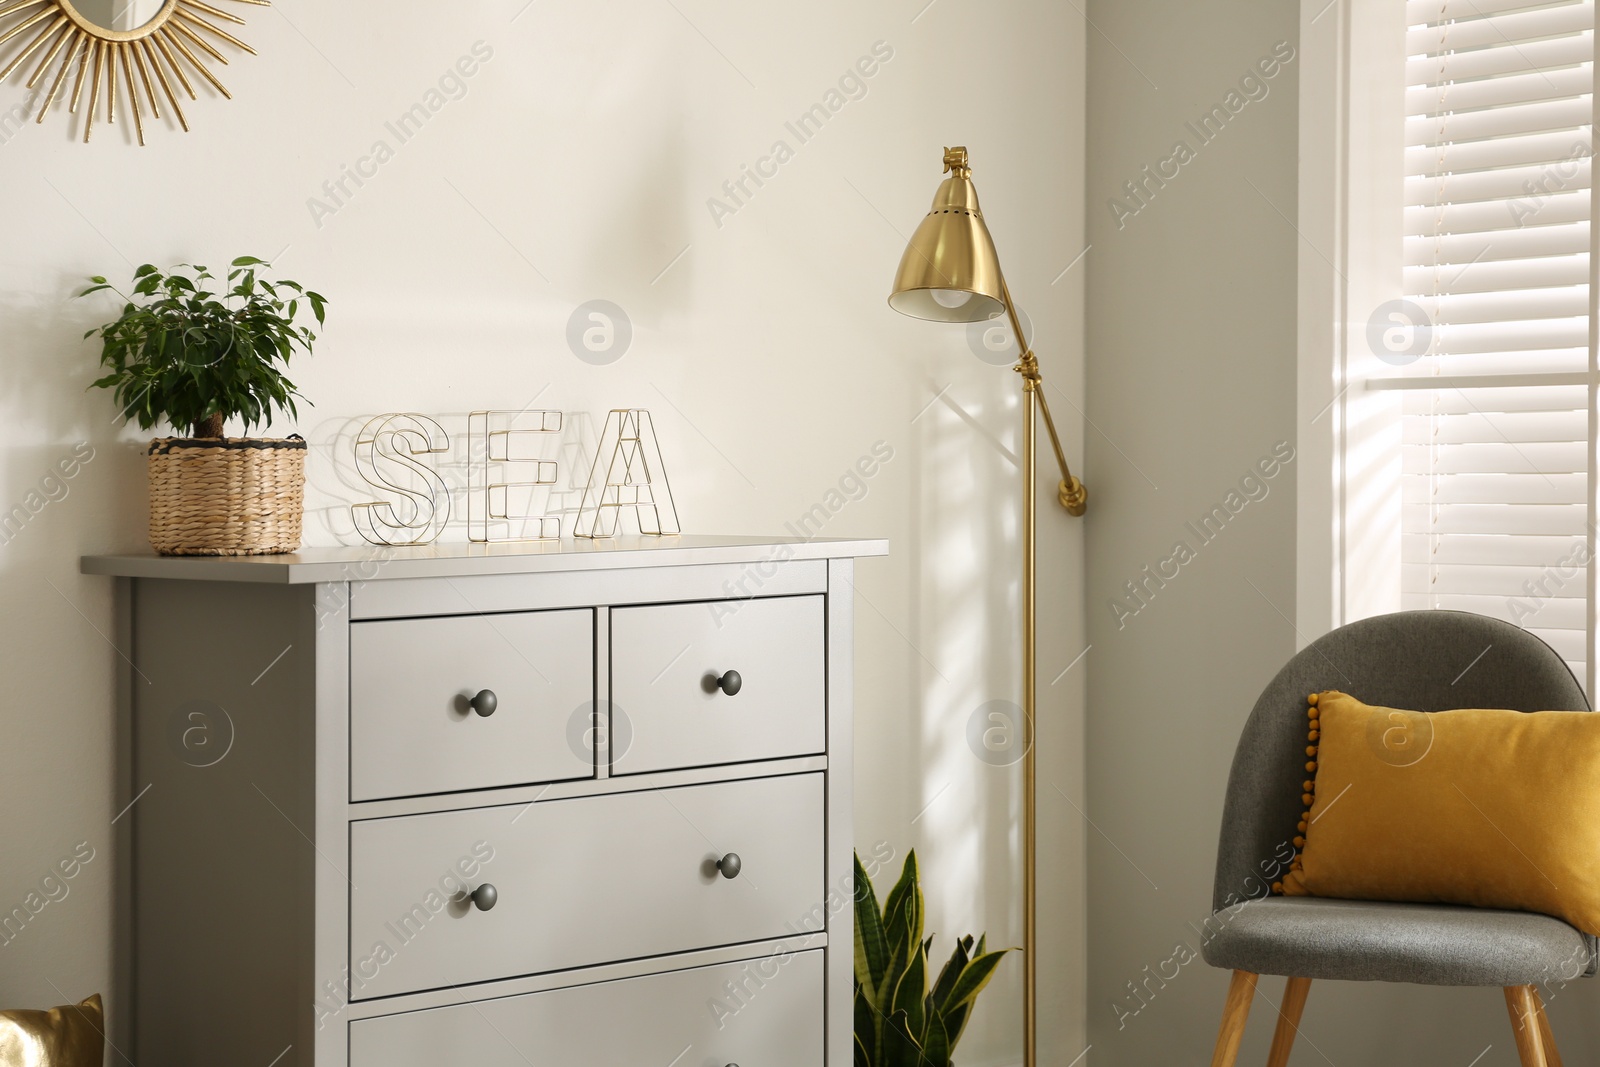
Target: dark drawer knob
[(730, 683), (485, 702), (485, 897), (730, 865)]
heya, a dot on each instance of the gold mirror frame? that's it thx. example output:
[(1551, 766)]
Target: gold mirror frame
[(177, 37)]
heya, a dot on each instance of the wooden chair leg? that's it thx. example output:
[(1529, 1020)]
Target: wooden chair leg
[(1523, 1004), (1234, 1014), (1294, 1004), (1551, 1057)]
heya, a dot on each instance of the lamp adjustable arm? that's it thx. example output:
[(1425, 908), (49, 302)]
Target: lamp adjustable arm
[(1070, 493)]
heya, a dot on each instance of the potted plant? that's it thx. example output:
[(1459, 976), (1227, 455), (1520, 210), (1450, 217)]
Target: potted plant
[(899, 1021), (194, 351)]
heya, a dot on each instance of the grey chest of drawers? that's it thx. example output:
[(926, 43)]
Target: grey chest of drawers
[(498, 806)]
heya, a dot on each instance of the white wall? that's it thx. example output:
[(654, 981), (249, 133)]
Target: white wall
[(1191, 374), (578, 166)]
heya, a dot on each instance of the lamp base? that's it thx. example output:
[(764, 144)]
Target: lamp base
[(1073, 496)]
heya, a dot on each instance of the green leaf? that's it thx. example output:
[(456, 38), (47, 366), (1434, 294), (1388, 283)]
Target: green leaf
[(249, 261), (935, 1044), (861, 1057), (974, 978), (900, 1049), (948, 974), (902, 913), (902, 887), (955, 1022), (899, 960), (868, 1024), (872, 951), (911, 992), (145, 270)]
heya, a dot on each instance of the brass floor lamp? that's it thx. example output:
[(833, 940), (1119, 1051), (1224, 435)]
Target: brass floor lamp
[(951, 273)]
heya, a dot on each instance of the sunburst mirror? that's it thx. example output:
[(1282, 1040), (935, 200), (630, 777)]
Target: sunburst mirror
[(111, 49)]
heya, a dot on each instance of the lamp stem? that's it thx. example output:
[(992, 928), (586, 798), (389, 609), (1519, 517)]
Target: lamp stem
[(1070, 494), (1030, 940)]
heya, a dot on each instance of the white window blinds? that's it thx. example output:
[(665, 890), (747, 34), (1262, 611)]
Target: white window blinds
[(1496, 413)]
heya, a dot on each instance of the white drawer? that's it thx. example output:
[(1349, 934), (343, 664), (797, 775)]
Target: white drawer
[(664, 1020), (579, 882), (412, 730), (665, 661)]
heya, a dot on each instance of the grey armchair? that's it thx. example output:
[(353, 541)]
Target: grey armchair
[(1422, 660)]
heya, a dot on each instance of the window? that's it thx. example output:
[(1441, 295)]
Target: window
[(1495, 374), (1448, 333)]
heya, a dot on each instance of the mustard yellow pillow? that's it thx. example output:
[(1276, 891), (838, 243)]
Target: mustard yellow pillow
[(1497, 809)]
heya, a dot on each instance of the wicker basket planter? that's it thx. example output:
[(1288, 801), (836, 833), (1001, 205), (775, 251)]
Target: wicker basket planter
[(226, 496)]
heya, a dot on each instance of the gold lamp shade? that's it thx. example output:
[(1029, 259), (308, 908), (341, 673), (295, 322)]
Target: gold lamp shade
[(950, 271)]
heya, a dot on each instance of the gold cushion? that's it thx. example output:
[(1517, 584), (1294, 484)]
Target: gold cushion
[(73, 1036), (1497, 809)]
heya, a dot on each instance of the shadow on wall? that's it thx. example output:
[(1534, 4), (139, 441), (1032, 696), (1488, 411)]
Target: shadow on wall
[(45, 373), (46, 366)]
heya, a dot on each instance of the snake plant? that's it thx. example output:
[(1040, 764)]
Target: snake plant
[(899, 1022)]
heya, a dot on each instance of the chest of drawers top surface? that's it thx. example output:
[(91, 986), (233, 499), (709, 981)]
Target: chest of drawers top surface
[(366, 563)]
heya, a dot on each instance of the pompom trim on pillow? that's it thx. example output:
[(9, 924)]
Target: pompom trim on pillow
[(1308, 787)]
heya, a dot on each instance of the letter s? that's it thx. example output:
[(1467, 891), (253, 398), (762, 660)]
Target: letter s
[(394, 455), (483, 850), (485, 52), (883, 50)]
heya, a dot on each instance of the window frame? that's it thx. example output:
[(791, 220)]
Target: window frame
[(1350, 192)]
